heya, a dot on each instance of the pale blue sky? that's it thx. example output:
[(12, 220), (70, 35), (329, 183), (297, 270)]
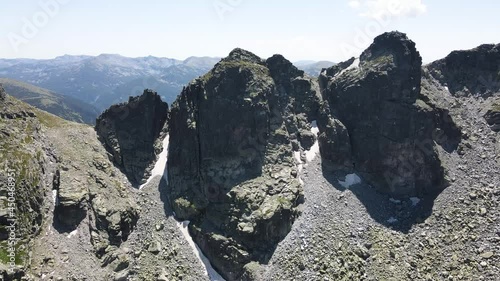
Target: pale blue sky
[(298, 29)]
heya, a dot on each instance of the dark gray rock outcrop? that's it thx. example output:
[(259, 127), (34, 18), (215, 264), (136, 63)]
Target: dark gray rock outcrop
[(129, 131), (470, 72), (377, 123), (231, 167)]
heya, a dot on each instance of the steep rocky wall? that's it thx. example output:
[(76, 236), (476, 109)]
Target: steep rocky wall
[(129, 132), (231, 168), (375, 102)]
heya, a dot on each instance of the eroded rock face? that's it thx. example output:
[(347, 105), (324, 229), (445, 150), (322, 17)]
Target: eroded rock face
[(231, 168), (129, 132), (470, 72), (90, 189), (375, 103)]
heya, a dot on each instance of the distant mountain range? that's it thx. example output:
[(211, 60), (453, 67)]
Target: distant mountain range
[(65, 107), (100, 81), (107, 79)]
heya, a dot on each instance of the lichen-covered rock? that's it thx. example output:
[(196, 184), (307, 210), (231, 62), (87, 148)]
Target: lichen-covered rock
[(231, 168), (391, 131), (23, 170), (129, 131)]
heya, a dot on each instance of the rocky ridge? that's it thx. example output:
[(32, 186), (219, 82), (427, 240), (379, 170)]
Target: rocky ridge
[(239, 168)]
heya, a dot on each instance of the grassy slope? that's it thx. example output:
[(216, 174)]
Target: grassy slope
[(63, 106)]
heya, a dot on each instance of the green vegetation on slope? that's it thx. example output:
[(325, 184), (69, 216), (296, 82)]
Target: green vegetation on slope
[(63, 106)]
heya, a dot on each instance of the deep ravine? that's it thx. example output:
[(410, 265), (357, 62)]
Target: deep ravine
[(159, 172)]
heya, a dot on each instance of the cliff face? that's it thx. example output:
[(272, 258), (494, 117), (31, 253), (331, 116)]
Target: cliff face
[(382, 128), (231, 167), (129, 132), (473, 72)]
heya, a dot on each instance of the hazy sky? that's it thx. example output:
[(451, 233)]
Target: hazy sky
[(300, 30)]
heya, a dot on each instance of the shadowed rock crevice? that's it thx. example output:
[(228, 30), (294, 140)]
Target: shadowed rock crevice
[(129, 132)]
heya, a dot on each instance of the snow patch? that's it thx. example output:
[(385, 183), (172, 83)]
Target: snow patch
[(314, 128), (414, 201), (72, 233), (354, 65), (209, 270), (54, 197), (350, 180), (311, 153), (446, 88), (314, 150), (296, 155), (160, 168)]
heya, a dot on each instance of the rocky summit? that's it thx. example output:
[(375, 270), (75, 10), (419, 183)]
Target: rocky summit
[(129, 132), (381, 168), (380, 126), (231, 167)]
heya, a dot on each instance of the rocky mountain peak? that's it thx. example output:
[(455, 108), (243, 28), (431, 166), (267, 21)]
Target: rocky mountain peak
[(239, 54), (376, 99), (394, 52), (130, 130), (394, 43), (279, 65), (231, 168)]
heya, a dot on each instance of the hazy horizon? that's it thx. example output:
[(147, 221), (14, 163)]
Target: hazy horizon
[(320, 31)]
